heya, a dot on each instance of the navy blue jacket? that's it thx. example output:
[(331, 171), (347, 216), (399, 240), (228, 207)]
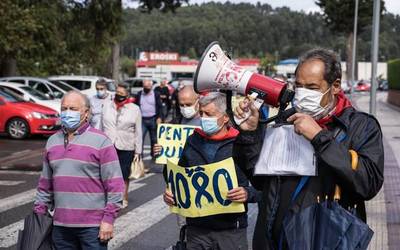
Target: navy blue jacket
[(200, 150)]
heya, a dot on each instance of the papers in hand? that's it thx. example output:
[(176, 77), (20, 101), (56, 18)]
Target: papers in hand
[(285, 153)]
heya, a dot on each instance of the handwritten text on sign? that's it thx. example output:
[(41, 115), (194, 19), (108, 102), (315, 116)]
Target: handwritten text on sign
[(201, 190), (172, 138)]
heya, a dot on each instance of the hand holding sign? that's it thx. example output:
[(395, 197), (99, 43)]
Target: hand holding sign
[(238, 194), (169, 198), (204, 190)]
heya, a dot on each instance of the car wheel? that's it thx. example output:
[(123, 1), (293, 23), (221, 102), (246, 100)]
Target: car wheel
[(17, 128)]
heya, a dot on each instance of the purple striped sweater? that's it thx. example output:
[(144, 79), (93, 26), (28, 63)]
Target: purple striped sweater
[(81, 180)]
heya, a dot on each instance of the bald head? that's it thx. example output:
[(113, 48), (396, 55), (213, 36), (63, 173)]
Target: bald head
[(187, 96), (147, 83), (74, 101), (76, 98)]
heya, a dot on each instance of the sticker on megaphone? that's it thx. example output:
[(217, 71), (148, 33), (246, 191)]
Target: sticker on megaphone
[(257, 103)]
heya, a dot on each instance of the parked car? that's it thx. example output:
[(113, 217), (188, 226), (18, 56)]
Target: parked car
[(86, 84), (20, 119), (29, 94), (51, 90), (136, 84), (383, 85), (362, 86), (62, 85)]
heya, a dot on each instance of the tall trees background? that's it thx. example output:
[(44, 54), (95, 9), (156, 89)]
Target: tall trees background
[(87, 36)]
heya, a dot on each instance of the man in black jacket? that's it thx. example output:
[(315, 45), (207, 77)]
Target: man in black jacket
[(326, 118), (214, 143)]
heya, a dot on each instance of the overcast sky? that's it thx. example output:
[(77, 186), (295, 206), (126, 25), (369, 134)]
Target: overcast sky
[(392, 6)]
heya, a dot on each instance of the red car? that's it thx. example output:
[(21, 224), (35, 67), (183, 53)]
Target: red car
[(362, 86), (19, 118)]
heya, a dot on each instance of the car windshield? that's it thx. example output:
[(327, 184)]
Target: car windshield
[(9, 96), (62, 85), (35, 93)]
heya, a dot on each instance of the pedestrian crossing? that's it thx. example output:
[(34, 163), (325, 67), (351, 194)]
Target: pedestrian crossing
[(9, 233), (146, 212)]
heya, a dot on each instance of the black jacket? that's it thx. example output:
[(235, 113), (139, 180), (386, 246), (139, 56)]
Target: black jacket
[(194, 154), (157, 102), (358, 131)]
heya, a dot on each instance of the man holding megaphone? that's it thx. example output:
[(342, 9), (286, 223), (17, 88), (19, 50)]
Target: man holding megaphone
[(340, 136)]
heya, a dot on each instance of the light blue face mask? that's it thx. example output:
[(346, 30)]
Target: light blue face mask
[(101, 93), (209, 125), (70, 119)]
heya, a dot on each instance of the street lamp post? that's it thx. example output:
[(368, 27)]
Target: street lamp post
[(353, 61), (374, 56)]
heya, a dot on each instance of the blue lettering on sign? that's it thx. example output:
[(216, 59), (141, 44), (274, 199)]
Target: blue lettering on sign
[(181, 179), (169, 152), (177, 134), (172, 184), (201, 189), (161, 131), (189, 131), (178, 181), (229, 183), (167, 135)]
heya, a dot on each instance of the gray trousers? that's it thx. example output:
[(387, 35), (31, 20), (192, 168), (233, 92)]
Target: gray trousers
[(203, 239)]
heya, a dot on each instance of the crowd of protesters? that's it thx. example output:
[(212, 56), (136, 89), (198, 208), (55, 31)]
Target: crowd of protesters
[(86, 167)]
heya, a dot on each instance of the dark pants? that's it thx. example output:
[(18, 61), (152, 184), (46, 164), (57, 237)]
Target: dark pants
[(164, 112), (150, 125), (125, 158), (204, 239), (73, 238)]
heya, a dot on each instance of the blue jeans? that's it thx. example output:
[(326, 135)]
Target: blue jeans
[(150, 125), (73, 238)]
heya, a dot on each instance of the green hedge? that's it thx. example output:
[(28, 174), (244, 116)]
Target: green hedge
[(394, 74)]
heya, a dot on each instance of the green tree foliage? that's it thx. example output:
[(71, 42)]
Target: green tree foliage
[(63, 36), (339, 16), (128, 66), (393, 74), (249, 30)]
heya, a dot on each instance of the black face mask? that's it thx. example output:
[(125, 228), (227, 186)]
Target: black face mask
[(146, 90), (120, 98)]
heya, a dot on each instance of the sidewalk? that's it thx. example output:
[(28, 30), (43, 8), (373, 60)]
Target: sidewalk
[(383, 212)]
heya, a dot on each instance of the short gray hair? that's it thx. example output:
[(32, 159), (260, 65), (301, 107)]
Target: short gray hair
[(85, 99), (218, 98), (101, 82)]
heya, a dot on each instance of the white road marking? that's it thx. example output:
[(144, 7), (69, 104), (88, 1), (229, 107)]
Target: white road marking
[(9, 160), (29, 195), (9, 234), (10, 183), (138, 220), (20, 172), (17, 200)]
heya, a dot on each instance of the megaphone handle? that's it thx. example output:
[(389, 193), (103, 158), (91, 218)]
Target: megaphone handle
[(257, 103)]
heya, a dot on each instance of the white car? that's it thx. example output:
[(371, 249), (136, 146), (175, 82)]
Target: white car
[(53, 90), (135, 84), (32, 95), (86, 84)]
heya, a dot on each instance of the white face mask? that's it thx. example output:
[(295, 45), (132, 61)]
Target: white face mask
[(189, 112), (308, 101)]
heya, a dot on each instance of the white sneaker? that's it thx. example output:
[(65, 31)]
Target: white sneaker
[(124, 203)]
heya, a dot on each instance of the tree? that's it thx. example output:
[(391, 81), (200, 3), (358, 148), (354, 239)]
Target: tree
[(17, 29), (339, 16)]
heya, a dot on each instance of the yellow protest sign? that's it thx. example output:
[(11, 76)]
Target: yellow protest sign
[(172, 138), (201, 190)]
